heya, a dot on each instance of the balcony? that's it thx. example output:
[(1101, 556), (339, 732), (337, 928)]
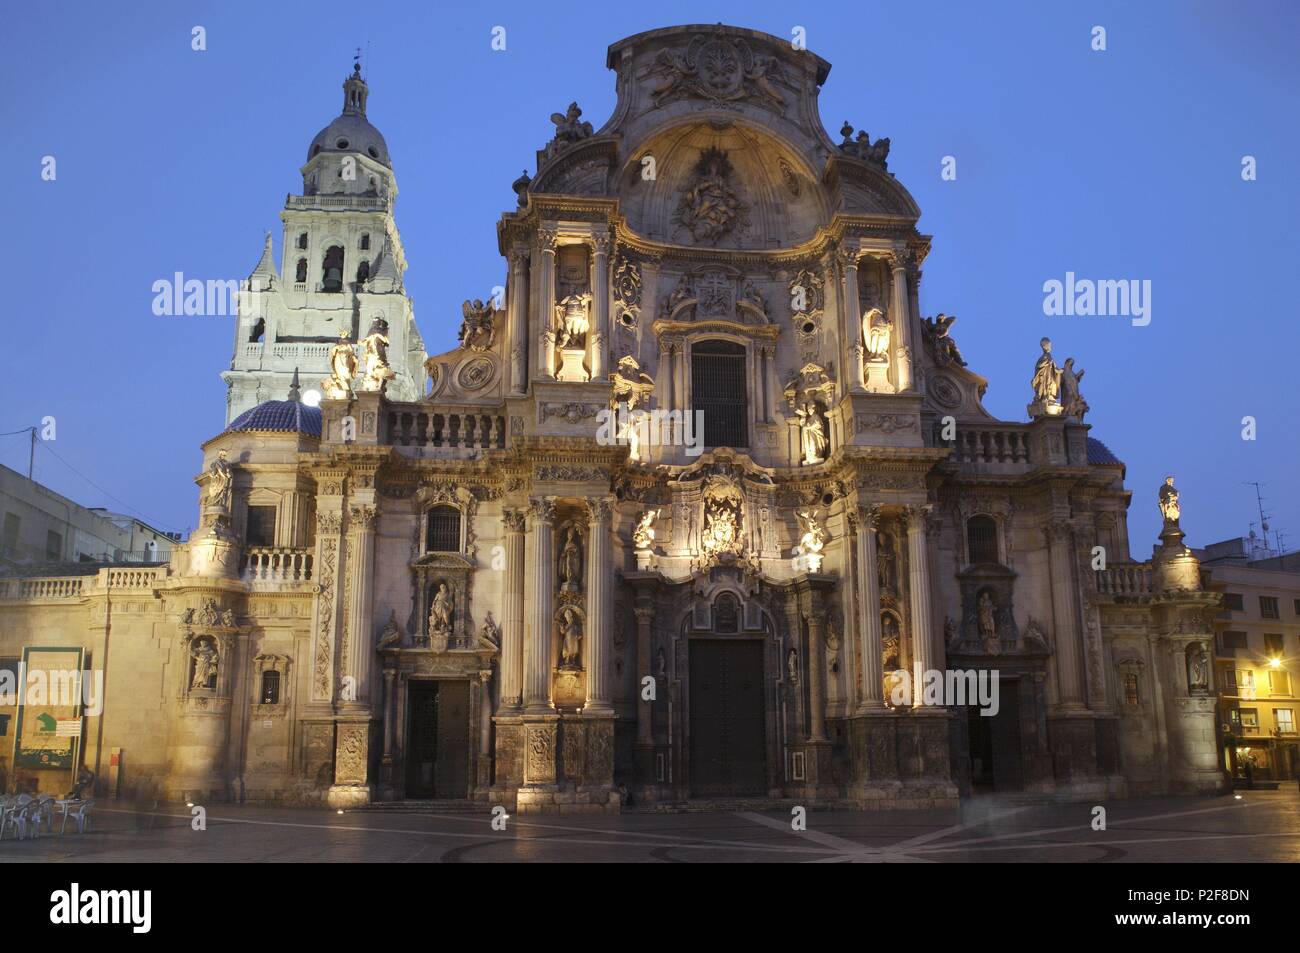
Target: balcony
[(276, 564), (1124, 579), (468, 428)]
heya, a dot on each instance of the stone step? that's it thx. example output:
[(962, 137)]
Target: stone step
[(427, 806)]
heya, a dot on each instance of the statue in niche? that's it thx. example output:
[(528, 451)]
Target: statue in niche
[(643, 537), (440, 612), (1047, 377), (792, 666), (875, 335), (391, 635), (889, 643), (220, 482), (570, 562), (1198, 669), (476, 328), (885, 564), (1072, 402), (570, 638), (812, 433), (343, 368), (950, 635), (812, 541), (987, 609), (709, 208), (375, 348), (1168, 501), (204, 653), (936, 331), (721, 529), (572, 321), (661, 663)]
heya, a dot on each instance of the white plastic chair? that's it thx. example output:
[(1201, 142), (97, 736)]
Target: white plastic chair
[(44, 812), (80, 811), (16, 819)]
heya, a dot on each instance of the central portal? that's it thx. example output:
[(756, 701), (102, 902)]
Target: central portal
[(437, 740), (728, 743)]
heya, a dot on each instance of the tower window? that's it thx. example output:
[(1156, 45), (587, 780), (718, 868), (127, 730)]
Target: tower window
[(259, 330), (363, 271), (300, 275), (718, 390), (342, 144), (332, 269), (259, 529), (270, 688), (443, 530), (302, 240), (365, 241), (982, 539)]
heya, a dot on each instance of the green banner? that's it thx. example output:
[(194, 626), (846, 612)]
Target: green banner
[(49, 712)]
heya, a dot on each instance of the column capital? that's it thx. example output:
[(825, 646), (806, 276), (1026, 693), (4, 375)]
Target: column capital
[(847, 257), (548, 238), (870, 515), (519, 257), (600, 244), (600, 508), (900, 258), (542, 509), (363, 516), (515, 519)]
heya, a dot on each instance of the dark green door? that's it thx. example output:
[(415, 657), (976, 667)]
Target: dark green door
[(437, 747), (728, 734)]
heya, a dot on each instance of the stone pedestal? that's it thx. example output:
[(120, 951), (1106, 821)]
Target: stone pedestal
[(571, 366), (351, 786), (877, 378)]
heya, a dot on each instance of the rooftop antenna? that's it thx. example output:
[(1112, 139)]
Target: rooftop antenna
[(1263, 517), (356, 61)]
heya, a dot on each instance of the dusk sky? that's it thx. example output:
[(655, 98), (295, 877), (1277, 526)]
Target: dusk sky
[(1122, 164)]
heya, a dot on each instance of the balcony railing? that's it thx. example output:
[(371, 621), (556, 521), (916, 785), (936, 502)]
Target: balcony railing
[(277, 564), (990, 445), (1124, 579), (44, 588), (465, 428)]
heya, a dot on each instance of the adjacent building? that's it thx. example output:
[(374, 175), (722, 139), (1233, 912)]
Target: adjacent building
[(698, 511)]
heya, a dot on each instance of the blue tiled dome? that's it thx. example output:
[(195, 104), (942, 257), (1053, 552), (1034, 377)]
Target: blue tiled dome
[(281, 416), (1099, 454)]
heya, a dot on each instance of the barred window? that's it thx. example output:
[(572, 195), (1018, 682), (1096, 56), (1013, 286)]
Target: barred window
[(718, 390), (270, 688), (1131, 689), (982, 539), (443, 534)]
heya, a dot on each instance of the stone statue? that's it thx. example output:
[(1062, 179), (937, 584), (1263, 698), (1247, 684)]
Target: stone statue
[(571, 637), (936, 331), (950, 634), (812, 541), (375, 347), (885, 564), (209, 614), (571, 562), (228, 618), (1047, 377), (1072, 402), (643, 536), (889, 643), (863, 148), (220, 482), (812, 433), (988, 626), (1034, 632), (391, 636), (204, 653), (1168, 501), (343, 368), (489, 636), (440, 611), (875, 335), (661, 663), (476, 328), (1198, 669), (792, 666), (572, 321), (569, 126), (631, 384), (187, 617), (709, 208)]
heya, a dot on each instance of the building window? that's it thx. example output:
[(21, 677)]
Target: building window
[(300, 274), (1131, 689), (1232, 602), (1245, 683), (1297, 607), (365, 241), (1279, 681), (53, 545), (1268, 607), (302, 240), (1249, 720), (332, 269), (982, 539), (9, 543), (259, 528), (1285, 720), (443, 530), (270, 688), (718, 391), (1231, 641), (1272, 644), (363, 271), (258, 332)]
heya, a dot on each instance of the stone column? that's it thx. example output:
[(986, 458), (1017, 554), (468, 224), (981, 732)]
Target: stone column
[(537, 650), (512, 633), (517, 320), (600, 571), (904, 347), (919, 597), (1067, 642), (546, 300), (600, 305), (360, 648), (328, 575), (873, 675), (390, 715), (679, 377), (645, 615), (815, 616), (853, 318)]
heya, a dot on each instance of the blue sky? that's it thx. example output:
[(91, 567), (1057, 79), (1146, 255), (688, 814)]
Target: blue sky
[(1117, 164)]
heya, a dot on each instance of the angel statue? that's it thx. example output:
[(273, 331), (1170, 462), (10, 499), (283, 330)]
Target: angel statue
[(569, 126), (812, 540), (938, 333), (375, 346), (343, 368), (644, 535), (476, 329)]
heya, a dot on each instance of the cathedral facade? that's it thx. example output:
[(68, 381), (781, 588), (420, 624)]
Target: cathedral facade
[(700, 508)]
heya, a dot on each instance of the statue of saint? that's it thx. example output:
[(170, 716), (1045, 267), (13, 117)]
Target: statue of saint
[(375, 348), (204, 653), (1072, 401), (644, 534), (1168, 501), (343, 368), (220, 482), (812, 434), (1047, 376), (889, 643), (570, 562), (440, 611), (885, 564), (792, 666), (987, 622), (572, 322), (1198, 669), (571, 637), (875, 334)]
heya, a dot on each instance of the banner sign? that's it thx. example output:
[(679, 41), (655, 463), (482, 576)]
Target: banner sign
[(49, 716)]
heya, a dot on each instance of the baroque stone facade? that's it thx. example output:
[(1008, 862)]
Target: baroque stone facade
[(492, 593)]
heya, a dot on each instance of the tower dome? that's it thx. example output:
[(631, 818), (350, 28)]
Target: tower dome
[(351, 131)]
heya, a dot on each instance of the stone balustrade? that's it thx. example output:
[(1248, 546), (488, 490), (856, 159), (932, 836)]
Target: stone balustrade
[(129, 578), (1124, 579), (999, 444), (277, 564), (55, 587), (471, 428)]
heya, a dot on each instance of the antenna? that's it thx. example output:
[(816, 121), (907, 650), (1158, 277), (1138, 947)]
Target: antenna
[(1263, 517)]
